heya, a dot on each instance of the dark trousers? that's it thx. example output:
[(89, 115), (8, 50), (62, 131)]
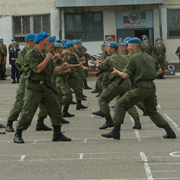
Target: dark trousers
[(14, 72)]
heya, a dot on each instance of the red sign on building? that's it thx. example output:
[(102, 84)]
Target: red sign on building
[(113, 36)]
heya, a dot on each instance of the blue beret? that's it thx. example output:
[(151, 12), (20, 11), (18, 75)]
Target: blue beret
[(146, 38), (134, 40), (127, 38), (80, 39), (113, 44), (40, 37), (57, 45), (160, 38), (1, 38), (121, 44), (51, 38), (13, 39), (103, 44), (68, 44), (109, 38), (120, 38), (77, 42), (125, 43), (143, 35), (58, 41), (54, 36), (156, 40), (29, 37), (66, 40), (14, 42)]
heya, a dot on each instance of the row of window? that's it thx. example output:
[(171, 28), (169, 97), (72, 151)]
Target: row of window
[(86, 26)]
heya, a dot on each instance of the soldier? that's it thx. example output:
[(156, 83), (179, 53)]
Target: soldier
[(11, 46), (39, 67), (58, 41), (74, 79), (143, 36), (142, 69), (3, 53), (13, 55), (120, 40), (120, 49), (17, 107), (147, 47), (160, 56), (178, 52)]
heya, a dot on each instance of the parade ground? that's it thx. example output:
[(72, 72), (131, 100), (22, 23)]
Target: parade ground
[(138, 155)]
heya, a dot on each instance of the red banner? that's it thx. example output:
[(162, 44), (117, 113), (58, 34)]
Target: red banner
[(113, 36)]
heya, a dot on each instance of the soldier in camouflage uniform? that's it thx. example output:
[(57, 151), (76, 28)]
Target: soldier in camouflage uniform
[(160, 56), (39, 67), (3, 53), (142, 69), (178, 52), (147, 47), (17, 107)]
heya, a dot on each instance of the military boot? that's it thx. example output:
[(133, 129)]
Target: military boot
[(72, 102), (9, 126), (14, 81), (80, 106), (64, 121), (86, 86), (98, 113), (137, 124), (170, 133), (99, 94), (18, 136), (115, 133), (58, 136), (66, 113), (108, 123), (96, 89), (40, 126)]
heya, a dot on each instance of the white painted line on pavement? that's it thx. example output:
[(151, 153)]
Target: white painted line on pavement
[(22, 157), (35, 141), (159, 106), (146, 166), (92, 116), (175, 154), (175, 125), (85, 140), (81, 155), (136, 131)]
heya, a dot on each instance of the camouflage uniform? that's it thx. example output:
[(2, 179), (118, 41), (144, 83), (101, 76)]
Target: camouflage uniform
[(142, 70), (37, 90), (147, 48), (3, 65)]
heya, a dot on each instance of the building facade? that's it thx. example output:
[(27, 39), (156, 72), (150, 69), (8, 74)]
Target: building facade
[(93, 20)]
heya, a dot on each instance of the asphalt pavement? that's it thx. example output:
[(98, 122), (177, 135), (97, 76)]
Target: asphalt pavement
[(138, 155)]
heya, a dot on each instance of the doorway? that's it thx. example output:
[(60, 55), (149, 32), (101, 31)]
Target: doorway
[(139, 33)]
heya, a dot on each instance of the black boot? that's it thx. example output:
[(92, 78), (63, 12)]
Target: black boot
[(72, 102), (2, 126), (17, 80), (98, 113), (86, 86), (18, 136), (99, 94), (9, 126), (57, 134), (66, 113), (40, 126), (170, 133), (112, 106), (137, 124), (108, 123), (64, 121), (80, 106), (13, 81), (115, 133), (96, 89)]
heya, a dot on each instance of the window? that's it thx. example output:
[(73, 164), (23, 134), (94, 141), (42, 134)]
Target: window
[(85, 26), (23, 25), (173, 23)]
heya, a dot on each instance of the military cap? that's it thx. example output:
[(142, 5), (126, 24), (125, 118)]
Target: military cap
[(58, 41), (160, 38), (13, 39), (29, 37), (58, 45), (146, 38), (156, 40), (68, 44), (51, 38), (143, 35), (113, 44), (14, 42), (121, 44), (1, 38), (40, 37), (77, 42), (127, 38), (120, 38), (134, 40), (109, 38), (54, 36), (66, 40), (125, 43), (103, 44)]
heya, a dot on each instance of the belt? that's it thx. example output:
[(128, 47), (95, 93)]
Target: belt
[(13, 58), (160, 55), (37, 81)]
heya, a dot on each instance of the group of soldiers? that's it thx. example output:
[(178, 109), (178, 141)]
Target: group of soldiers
[(50, 69)]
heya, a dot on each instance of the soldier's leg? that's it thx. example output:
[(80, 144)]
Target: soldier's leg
[(13, 73), (105, 81), (3, 69), (17, 74), (140, 105)]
